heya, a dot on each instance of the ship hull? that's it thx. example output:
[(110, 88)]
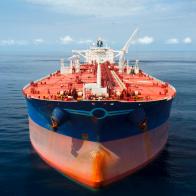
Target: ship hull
[(96, 159)]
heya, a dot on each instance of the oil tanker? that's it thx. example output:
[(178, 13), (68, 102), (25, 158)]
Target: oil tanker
[(99, 118)]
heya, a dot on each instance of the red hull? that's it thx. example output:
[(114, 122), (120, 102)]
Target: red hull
[(94, 164)]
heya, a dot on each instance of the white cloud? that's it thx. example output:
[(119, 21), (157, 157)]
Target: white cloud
[(22, 42), (38, 41), (7, 42), (116, 7), (172, 41), (87, 41), (98, 7), (10, 42), (66, 39), (145, 40), (63, 40), (187, 40)]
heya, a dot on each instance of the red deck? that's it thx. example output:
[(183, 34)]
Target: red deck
[(122, 87)]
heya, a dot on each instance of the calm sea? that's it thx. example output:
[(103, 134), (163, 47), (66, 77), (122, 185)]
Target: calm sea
[(22, 172)]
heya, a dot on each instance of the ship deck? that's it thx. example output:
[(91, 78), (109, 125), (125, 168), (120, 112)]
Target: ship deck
[(121, 86)]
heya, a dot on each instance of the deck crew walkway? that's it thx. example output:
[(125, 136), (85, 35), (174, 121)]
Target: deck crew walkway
[(118, 80)]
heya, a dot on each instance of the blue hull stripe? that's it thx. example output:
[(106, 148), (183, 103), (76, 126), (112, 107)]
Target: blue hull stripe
[(115, 121)]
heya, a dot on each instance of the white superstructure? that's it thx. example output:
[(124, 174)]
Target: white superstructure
[(101, 53), (98, 54)]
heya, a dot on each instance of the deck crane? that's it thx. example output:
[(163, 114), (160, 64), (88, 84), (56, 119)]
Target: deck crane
[(124, 50)]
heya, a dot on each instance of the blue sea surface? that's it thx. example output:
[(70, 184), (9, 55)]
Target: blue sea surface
[(22, 172)]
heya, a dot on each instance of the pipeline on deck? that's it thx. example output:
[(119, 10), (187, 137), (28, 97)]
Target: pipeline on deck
[(120, 86)]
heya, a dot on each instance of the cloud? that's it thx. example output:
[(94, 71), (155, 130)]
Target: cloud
[(7, 42), (98, 7), (187, 40), (172, 41), (66, 39), (87, 41), (63, 40), (38, 41), (10, 42), (111, 8), (145, 40)]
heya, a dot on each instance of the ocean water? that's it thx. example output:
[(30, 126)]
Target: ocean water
[(22, 172)]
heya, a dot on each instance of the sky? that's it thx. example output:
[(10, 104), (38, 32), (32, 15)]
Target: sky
[(58, 25)]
